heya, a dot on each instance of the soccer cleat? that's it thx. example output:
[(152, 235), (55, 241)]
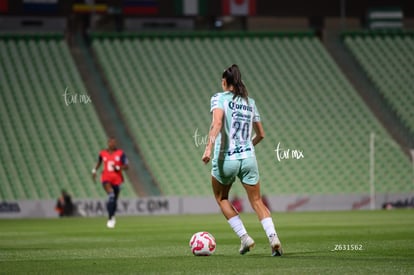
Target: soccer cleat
[(276, 246), (111, 223), (247, 243)]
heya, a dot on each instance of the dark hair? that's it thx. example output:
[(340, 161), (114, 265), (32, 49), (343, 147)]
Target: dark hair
[(232, 76)]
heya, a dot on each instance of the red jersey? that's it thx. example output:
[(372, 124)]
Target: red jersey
[(110, 161)]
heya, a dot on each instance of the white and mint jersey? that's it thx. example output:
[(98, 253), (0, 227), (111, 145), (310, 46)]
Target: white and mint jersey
[(235, 139)]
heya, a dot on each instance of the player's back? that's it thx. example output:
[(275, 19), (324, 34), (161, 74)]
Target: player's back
[(234, 141)]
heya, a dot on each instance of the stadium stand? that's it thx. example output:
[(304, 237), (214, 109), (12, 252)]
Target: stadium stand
[(48, 142), (387, 58), (163, 84)]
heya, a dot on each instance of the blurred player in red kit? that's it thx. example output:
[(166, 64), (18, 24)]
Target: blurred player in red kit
[(114, 161)]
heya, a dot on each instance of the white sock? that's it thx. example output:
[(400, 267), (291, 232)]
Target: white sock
[(268, 227), (237, 226)]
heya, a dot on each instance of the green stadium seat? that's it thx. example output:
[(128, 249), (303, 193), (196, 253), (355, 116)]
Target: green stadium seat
[(387, 60)]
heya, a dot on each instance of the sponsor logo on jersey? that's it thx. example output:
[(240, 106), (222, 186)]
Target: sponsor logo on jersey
[(238, 150), (238, 106)]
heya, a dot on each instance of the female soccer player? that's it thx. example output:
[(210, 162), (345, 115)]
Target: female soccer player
[(234, 116), (114, 161)]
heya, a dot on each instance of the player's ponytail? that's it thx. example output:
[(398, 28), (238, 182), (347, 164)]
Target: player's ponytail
[(233, 77)]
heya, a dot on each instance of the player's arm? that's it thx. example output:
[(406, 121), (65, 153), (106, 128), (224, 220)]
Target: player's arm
[(124, 162), (259, 132), (215, 128), (98, 164)]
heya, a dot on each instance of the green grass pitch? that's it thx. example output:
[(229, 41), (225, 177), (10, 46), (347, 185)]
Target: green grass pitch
[(159, 245)]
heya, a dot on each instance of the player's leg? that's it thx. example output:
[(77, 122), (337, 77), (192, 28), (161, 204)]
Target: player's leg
[(249, 175), (221, 194), (117, 189), (263, 213), (223, 176), (110, 204), (255, 200)]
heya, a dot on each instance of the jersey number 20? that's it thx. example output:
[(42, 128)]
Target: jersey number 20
[(241, 129)]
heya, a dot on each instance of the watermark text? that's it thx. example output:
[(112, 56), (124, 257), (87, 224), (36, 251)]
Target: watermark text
[(200, 140), (284, 154), (348, 247), (75, 98)]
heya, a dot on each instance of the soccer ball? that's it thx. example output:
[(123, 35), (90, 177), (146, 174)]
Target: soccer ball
[(202, 244)]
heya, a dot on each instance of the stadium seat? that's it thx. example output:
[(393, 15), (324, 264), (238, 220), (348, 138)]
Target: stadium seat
[(387, 59)]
